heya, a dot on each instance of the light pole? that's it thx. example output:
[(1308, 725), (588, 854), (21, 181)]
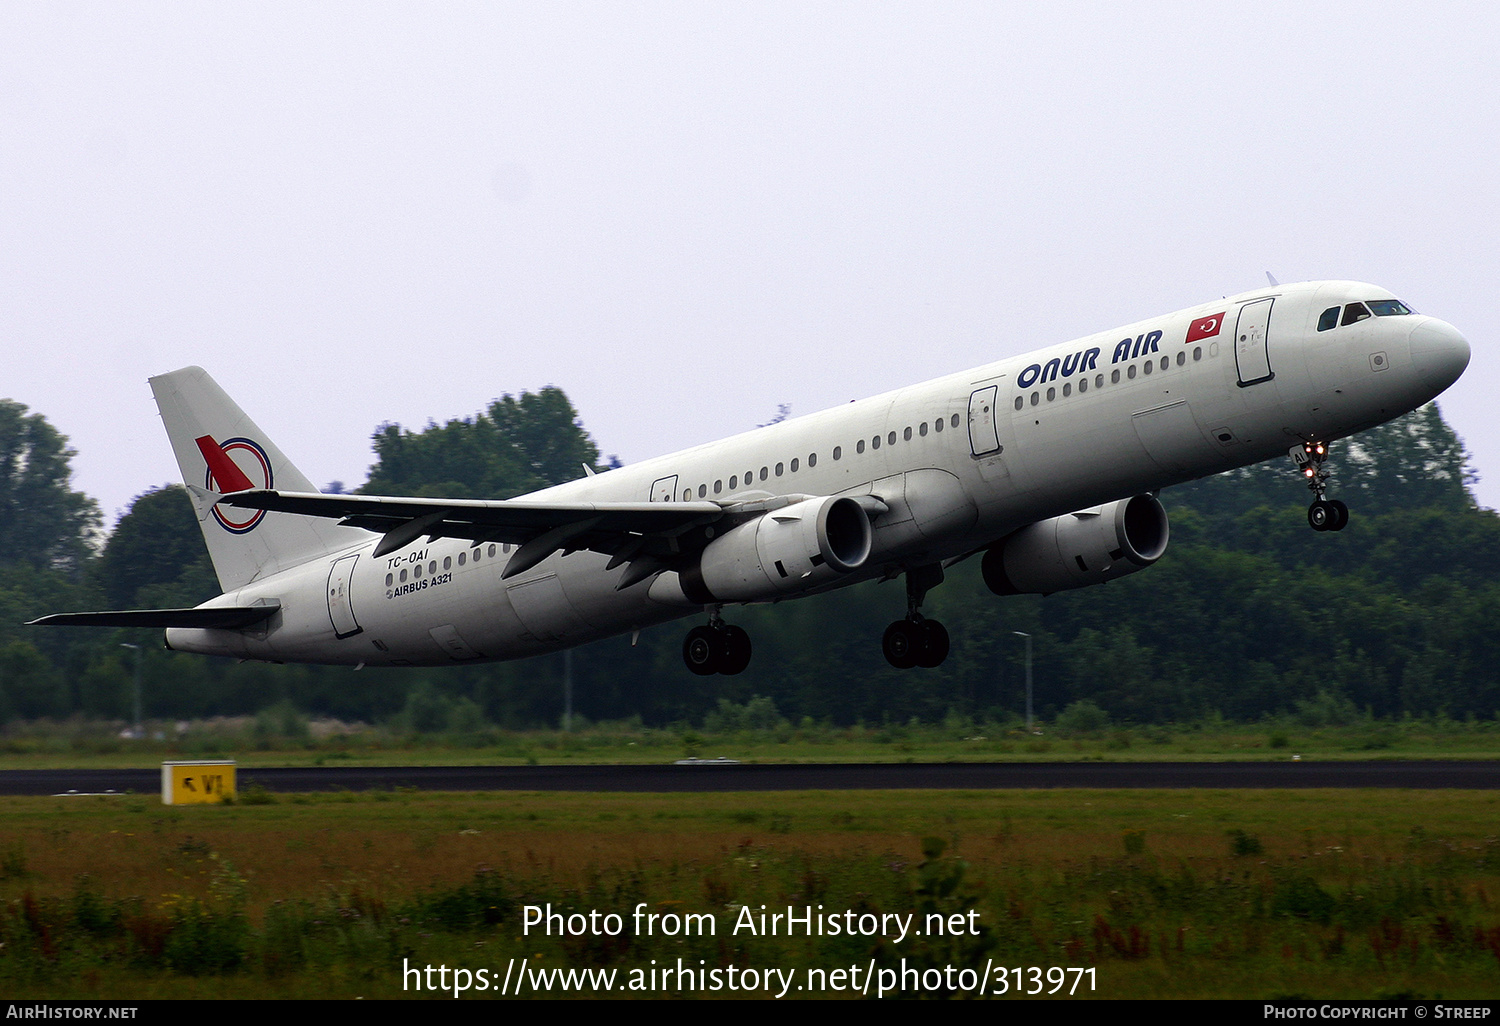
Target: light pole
[(1028, 677), (567, 690), (137, 731)]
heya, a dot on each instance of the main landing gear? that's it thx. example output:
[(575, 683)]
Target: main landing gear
[(719, 647), (716, 647), (1323, 514), (916, 640)]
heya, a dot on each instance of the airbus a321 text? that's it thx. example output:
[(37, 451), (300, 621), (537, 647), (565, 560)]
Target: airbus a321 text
[(1046, 465)]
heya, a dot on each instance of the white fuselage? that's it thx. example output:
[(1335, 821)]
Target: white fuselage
[(960, 461)]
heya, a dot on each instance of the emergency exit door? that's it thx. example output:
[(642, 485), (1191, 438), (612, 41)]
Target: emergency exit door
[(984, 436)]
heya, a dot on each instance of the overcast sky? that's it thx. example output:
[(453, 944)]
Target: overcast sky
[(685, 214)]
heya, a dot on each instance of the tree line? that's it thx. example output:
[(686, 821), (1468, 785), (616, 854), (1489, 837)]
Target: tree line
[(1249, 614)]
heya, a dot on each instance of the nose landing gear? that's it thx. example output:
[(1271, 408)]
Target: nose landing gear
[(916, 640), (1324, 514)]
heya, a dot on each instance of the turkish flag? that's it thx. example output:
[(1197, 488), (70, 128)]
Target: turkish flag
[(1204, 327)]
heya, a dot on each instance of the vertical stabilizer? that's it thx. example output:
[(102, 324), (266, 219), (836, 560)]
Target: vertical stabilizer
[(244, 544)]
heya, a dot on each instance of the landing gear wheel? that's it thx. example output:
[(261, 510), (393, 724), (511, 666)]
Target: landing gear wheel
[(1341, 515), (700, 650), (909, 643), (716, 648), (1324, 514), (734, 656), (901, 644), (934, 648), (1321, 516)]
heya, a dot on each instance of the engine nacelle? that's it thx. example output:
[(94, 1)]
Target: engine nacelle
[(784, 551), (1088, 547)]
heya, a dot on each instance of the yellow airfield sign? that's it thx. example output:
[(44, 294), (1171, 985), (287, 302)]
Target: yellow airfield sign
[(183, 783)]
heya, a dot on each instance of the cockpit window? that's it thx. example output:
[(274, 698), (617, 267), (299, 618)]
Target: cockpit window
[(1355, 312), (1389, 307), (1330, 319)]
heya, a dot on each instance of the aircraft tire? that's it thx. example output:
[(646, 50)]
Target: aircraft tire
[(1340, 515), (701, 651), (901, 644), (734, 654), (1321, 515), (934, 648)]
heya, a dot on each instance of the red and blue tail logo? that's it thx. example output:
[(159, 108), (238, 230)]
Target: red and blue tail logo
[(235, 465)]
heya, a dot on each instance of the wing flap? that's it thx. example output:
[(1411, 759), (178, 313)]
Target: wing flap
[(538, 528)]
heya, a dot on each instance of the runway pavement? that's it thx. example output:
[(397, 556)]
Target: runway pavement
[(798, 777)]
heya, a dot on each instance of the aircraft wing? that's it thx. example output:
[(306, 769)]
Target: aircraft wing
[(627, 531)]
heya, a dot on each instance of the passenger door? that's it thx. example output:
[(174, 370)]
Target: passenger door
[(340, 608), (1251, 357)]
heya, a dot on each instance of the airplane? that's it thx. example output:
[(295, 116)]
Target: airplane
[(1047, 466)]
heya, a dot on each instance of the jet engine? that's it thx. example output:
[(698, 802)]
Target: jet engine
[(1088, 547), (787, 550)]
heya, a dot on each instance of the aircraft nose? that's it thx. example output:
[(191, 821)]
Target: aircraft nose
[(1439, 353)]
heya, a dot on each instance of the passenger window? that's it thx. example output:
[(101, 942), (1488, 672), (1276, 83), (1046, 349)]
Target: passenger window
[(765, 472), (1035, 398), (1051, 394), (875, 442), (1083, 385), (938, 425), (906, 435), (955, 420), (812, 460), (1330, 319), (892, 438), (838, 452), (1020, 402), (1098, 380), (1181, 358), (1166, 361), (403, 576), (416, 572), (447, 562), (922, 428), (779, 468), (1148, 368), (1114, 377), (492, 551), (795, 464), (432, 567), (718, 487), (1197, 353), (1067, 389), (390, 579), (1130, 372), (1355, 312), (687, 494), (460, 559), (860, 447), (734, 481)]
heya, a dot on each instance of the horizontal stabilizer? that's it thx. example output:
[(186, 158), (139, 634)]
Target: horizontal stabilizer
[(207, 617)]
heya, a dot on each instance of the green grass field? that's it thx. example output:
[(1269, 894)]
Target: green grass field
[(1211, 894), (94, 745)]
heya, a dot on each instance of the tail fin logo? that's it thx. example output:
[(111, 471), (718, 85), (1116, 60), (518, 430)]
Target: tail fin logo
[(248, 467)]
